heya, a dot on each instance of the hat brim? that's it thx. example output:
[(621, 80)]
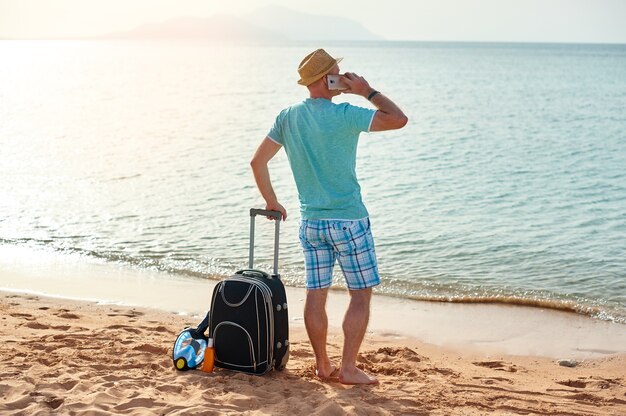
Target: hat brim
[(310, 80)]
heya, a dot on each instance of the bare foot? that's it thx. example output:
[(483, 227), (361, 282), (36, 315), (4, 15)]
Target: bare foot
[(332, 373), (356, 376)]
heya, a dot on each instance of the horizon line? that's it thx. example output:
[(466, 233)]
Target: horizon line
[(101, 38)]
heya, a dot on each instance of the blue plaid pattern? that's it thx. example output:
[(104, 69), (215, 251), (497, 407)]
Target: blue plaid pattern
[(350, 242)]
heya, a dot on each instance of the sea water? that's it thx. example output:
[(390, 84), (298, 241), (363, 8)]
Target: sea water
[(507, 185)]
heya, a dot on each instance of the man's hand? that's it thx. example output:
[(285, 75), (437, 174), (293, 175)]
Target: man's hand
[(275, 206), (356, 85)]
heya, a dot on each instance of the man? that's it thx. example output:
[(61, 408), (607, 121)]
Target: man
[(320, 139)]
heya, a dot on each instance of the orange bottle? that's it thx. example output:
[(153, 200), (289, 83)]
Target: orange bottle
[(209, 357)]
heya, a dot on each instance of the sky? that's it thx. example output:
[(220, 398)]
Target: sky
[(571, 21)]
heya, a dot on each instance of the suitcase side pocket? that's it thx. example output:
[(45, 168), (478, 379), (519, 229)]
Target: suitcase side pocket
[(234, 347)]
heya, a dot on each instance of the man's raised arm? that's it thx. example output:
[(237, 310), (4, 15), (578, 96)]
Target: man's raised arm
[(389, 116)]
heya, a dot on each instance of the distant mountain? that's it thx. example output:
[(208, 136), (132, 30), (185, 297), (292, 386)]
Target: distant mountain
[(302, 26), (218, 27), (269, 24)]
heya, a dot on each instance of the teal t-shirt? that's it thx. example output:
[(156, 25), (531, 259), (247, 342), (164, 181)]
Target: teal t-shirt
[(320, 139)]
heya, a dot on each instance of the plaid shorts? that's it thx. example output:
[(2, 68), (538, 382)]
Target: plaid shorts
[(351, 242)]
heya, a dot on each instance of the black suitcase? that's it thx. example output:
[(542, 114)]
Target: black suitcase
[(249, 322)]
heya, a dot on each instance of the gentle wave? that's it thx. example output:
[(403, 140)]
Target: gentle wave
[(558, 305), (420, 291)]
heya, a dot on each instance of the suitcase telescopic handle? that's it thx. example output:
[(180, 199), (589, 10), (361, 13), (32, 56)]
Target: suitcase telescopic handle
[(277, 216)]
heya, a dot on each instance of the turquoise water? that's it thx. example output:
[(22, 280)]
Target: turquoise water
[(507, 185)]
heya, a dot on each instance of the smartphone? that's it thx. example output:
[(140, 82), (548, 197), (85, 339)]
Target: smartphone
[(335, 82)]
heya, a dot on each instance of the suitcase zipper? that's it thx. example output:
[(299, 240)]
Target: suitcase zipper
[(235, 305)]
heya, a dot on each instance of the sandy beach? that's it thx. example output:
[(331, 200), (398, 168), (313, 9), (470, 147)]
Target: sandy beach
[(75, 357), (83, 336)]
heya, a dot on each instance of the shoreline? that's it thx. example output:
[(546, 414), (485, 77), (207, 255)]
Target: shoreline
[(593, 307), (481, 328)]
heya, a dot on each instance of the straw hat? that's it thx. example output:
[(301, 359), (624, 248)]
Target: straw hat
[(315, 65)]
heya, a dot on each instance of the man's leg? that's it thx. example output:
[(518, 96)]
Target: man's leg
[(354, 327), (316, 322)]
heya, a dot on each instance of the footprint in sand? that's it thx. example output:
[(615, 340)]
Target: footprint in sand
[(160, 329), (585, 398), (48, 361), (131, 313), (151, 349), (496, 365), (54, 402), (125, 328), (592, 382), (388, 354), (25, 316), (493, 380), (66, 314), (391, 361), (170, 388), (37, 325), (578, 384), (441, 371)]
